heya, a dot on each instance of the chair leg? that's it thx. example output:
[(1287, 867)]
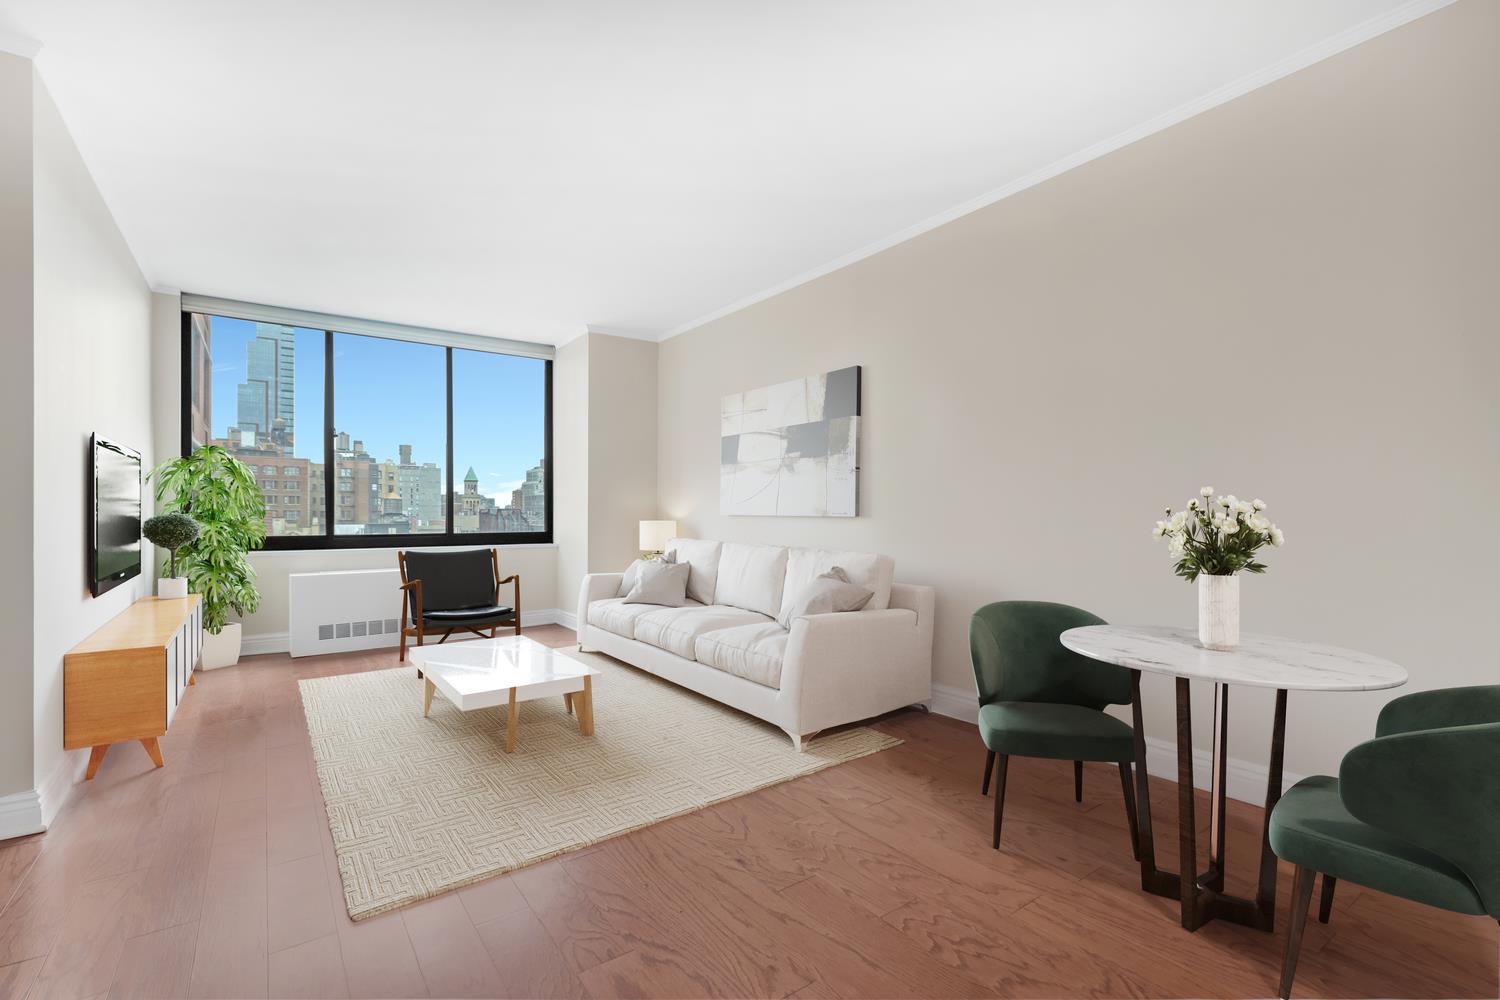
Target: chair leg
[(1325, 901), (1302, 887), (1004, 759), (989, 765), (401, 657), (1135, 830), (1078, 781)]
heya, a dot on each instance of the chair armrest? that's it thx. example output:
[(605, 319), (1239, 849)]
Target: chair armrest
[(414, 591), (595, 587), (1458, 706), (1435, 788)]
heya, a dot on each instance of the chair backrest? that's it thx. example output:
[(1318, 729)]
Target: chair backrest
[(1017, 657), (452, 580)]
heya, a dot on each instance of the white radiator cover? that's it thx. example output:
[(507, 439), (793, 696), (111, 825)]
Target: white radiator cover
[(343, 610)]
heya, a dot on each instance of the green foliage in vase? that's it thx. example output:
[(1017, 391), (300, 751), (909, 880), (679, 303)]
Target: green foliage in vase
[(219, 492), (171, 532), (1217, 536)]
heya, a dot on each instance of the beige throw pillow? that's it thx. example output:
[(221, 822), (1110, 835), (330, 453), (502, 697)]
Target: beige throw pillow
[(661, 583), (827, 593)]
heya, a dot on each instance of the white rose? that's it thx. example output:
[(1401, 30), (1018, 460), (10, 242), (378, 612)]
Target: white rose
[(1277, 537), (1159, 530), (1176, 548), (1258, 504), (1207, 491), (1178, 521), (1258, 523), (1230, 526)]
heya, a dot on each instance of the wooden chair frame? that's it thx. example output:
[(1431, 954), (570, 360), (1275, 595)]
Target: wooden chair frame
[(413, 629)]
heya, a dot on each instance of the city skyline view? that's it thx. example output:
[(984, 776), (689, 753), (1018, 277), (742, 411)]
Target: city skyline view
[(265, 400)]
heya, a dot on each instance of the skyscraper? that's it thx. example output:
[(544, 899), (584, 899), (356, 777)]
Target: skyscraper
[(265, 403)]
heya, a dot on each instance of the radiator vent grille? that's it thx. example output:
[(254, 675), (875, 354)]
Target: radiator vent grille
[(357, 630)]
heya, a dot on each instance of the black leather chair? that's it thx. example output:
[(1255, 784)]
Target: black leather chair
[(447, 592)]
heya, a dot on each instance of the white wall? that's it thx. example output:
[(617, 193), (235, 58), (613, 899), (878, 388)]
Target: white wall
[(92, 373), (570, 473), (16, 423), (1292, 296)]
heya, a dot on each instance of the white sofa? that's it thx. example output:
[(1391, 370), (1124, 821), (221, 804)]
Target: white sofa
[(821, 671)]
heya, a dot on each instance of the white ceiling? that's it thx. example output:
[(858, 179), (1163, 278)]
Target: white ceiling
[(534, 169)]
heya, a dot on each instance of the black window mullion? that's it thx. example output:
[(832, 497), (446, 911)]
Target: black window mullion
[(330, 473), (449, 456)]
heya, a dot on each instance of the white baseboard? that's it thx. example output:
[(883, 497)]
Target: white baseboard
[(1244, 780), (281, 642), (567, 619), (33, 810)]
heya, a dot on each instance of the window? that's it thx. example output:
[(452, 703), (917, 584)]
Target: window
[(432, 443), (499, 440)]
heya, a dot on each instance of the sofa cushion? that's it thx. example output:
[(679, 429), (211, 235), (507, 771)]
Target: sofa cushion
[(870, 570), (754, 652), (613, 615), (660, 583), (703, 557), (828, 593), (675, 629), (750, 577)]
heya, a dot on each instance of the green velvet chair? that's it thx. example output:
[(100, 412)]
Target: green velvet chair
[(1039, 699), (1415, 812)]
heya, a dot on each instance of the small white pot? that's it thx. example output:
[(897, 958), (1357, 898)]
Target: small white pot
[(222, 650), (1218, 612), (172, 586)]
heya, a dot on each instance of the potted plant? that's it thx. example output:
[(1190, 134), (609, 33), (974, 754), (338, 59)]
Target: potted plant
[(1211, 541), (219, 492), (171, 532)]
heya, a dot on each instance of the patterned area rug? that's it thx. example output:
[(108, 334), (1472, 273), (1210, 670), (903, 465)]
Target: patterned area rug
[(419, 806)]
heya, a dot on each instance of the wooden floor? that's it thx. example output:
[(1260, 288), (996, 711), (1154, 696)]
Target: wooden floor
[(216, 877)]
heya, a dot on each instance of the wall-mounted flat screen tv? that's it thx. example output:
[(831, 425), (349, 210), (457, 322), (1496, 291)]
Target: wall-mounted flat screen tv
[(115, 548)]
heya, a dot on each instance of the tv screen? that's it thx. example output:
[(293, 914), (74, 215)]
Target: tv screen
[(116, 550)]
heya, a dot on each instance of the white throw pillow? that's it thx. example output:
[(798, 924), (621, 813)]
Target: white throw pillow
[(632, 573), (867, 569), (661, 583), (828, 593), (751, 576), (703, 557)]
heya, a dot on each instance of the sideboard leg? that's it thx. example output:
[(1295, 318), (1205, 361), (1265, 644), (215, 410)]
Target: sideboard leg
[(96, 757), (153, 750)]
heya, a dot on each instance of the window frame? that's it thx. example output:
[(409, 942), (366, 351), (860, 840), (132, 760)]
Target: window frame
[(330, 539)]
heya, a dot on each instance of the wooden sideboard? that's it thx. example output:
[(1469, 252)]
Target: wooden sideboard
[(126, 680)]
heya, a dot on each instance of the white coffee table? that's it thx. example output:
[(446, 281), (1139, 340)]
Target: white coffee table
[(485, 673)]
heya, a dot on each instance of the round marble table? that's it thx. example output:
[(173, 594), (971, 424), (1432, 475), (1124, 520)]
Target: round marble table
[(1259, 661)]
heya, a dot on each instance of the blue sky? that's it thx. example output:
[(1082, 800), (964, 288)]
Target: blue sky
[(389, 392)]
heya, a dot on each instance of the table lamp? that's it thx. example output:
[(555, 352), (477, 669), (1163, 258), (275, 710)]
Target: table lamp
[(654, 537)]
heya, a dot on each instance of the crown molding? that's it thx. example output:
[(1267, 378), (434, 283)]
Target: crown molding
[(1302, 59), (19, 45)]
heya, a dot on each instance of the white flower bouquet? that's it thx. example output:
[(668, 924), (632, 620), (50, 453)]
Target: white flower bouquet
[(1217, 535)]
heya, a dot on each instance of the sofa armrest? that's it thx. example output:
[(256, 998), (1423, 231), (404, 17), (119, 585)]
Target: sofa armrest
[(595, 587), (846, 666)]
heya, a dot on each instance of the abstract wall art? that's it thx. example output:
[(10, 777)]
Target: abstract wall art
[(792, 449)]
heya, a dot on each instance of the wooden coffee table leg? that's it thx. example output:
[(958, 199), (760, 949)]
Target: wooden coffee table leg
[(427, 688), (510, 723), (568, 701), (586, 708)]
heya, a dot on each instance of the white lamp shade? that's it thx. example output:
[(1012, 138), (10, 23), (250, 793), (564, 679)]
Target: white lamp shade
[(655, 534)]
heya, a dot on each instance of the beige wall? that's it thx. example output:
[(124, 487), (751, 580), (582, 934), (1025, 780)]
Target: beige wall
[(1292, 296), (92, 372), (604, 436), (16, 422)]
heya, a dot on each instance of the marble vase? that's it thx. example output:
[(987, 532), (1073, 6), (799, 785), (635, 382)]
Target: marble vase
[(1218, 611)]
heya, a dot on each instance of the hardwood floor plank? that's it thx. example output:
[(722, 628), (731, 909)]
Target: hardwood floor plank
[(16, 857), (297, 903), (636, 975), (82, 960), (311, 969), (17, 977), (492, 898), (230, 959), (585, 936), (527, 958), (159, 964), (378, 958), (453, 959)]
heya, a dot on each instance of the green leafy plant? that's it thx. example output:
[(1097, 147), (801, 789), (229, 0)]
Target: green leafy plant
[(171, 532), (1217, 536), (219, 492)]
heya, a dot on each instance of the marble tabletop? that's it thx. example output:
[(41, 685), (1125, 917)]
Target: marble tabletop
[(1259, 660)]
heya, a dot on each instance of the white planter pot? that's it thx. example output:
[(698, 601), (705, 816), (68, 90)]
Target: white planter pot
[(172, 586), (1218, 612), (222, 650)]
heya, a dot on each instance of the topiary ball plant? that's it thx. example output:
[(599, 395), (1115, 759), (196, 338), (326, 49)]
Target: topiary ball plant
[(171, 532), (220, 493)]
